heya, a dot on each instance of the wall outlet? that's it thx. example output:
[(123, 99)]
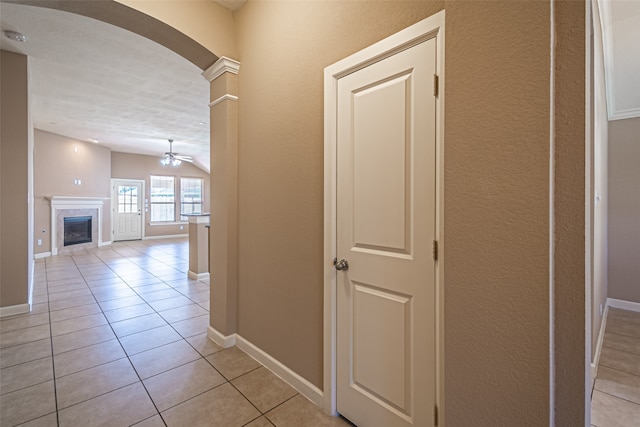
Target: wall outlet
[(39, 242), (182, 227)]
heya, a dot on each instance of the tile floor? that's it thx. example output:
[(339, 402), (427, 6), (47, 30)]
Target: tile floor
[(616, 395), (117, 337)]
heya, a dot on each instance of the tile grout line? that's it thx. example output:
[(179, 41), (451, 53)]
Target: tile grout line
[(53, 363), (126, 355), (620, 398)]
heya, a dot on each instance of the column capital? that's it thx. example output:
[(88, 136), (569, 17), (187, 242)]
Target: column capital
[(221, 66)]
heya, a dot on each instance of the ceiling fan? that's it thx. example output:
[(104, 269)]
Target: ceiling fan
[(174, 159)]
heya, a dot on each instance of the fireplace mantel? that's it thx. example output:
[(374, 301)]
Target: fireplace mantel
[(59, 203), (75, 202)]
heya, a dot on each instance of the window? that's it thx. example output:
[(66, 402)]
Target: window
[(190, 196), (163, 199), (127, 199)]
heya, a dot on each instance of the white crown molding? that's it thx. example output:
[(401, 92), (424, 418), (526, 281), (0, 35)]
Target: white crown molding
[(221, 66), (223, 98), (624, 114)]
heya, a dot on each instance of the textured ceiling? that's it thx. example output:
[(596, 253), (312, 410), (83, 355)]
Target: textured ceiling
[(92, 80)]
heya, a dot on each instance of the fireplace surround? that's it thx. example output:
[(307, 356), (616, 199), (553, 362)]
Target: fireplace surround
[(69, 207)]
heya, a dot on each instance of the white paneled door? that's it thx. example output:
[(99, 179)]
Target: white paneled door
[(386, 213), (127, 209)]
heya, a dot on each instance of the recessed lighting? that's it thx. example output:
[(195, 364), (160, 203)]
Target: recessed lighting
[(15, 36)]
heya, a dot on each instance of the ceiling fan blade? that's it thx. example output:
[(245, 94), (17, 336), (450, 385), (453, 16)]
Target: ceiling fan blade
[(184, 158)]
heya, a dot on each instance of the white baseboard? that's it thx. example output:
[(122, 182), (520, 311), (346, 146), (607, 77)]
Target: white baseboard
[(303, 386), (42, 255), (224, 341), (12, 310), (622, 304), (101, 244), (197, 276), (596, 356), (615, 303), (168, 236)]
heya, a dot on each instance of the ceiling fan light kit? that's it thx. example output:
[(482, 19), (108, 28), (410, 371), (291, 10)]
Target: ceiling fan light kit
[(173, 159)]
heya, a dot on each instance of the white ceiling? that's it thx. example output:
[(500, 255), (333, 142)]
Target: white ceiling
[(92, 80)]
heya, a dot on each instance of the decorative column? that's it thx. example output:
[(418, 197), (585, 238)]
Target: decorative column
[(223, 78), (198, 247)]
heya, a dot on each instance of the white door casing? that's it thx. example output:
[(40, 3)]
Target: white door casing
[(383, 194), (126, 206)]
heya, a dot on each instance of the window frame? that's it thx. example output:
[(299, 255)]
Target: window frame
[(164, 203), (193, 204)]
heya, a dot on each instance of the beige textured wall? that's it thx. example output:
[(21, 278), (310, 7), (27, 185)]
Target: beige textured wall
[(569, 210), (283, 48), (206, 22), (56, 165), (137, 166), (624, 209), (14, 191), (496, 213)]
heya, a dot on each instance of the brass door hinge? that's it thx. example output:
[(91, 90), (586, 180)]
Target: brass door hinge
[(435, 250), (436, 85)]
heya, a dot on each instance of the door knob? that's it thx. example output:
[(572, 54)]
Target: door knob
[(343, 264)]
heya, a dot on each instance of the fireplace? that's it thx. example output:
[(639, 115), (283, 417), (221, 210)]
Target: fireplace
[(72, 207), (77, 229)]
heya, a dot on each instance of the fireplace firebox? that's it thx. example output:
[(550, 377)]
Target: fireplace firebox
[(77, 230)]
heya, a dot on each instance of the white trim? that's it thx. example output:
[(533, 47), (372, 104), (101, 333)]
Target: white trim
[(302, 385), (589, 373), (108, 243), (623, 305), (72, 202), (428, 28), (223, 98), (168, 236), (12, 310), (221, 66), (625, 114), (42, 255), (224, 341), (552, 82), (197, 276), (596, 357)]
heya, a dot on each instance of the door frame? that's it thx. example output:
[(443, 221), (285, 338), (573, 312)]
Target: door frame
[(114, 205), (428, 28)]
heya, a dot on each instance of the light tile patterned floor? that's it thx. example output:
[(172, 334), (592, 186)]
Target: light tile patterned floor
[(616, 396), (117, 337)]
